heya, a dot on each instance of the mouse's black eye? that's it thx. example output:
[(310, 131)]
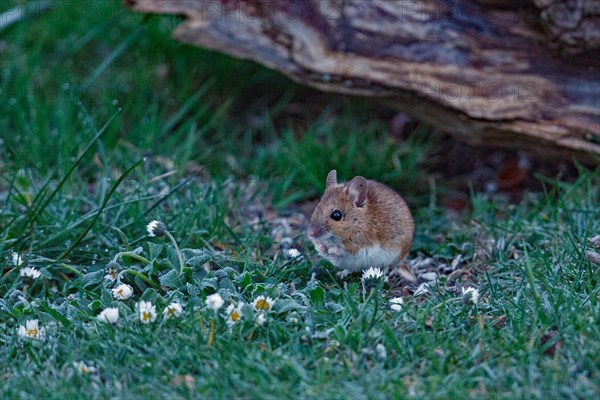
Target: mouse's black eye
[(336, 215)]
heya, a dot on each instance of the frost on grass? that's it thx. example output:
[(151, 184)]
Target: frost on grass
[(141, 270), (423, 288), (155, 276)]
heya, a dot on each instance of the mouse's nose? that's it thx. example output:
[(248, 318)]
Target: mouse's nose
[(315, 230)]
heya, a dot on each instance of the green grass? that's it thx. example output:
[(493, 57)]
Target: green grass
[(207, 144)]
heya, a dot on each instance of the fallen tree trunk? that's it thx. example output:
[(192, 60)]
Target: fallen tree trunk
[(491, 72)]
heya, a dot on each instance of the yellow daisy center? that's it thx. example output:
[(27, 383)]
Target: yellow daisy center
[(146, 316), (235, 316), (262, 305), (171, 311), (32, 333)]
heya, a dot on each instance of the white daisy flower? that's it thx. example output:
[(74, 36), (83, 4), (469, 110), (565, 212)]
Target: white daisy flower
[(381, 351), (146, 311), (470, 295), (16, 259), (372, 273), (214, 301), (396, 303), (109, 315), (234, 314), (156, 228), (122, 292), (29, 272), (32, 330), (83, 369), (261, 318), (173, 310), (262, 303)]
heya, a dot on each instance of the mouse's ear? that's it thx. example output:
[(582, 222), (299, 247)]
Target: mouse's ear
[(331, 179), (357, 191)]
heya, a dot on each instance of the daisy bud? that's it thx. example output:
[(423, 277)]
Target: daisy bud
[(109, 316), (156, 228), (214, 301), (261, 318), (381, 351), (17, 260), (470, 295)]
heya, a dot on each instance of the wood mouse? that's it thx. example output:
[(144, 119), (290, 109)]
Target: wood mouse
[(360, 224)]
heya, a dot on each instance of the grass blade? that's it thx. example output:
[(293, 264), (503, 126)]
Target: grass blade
[(120, 49), (35, 212), (19, 13), (106, 199)]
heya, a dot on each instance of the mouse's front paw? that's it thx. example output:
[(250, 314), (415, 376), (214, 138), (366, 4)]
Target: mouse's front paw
[(343, 273), (334, 251), (321, 248)]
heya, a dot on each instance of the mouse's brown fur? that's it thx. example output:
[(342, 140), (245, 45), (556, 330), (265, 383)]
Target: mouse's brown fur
[(373, 215)]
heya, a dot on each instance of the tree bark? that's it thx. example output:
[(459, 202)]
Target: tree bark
[(511, 73)]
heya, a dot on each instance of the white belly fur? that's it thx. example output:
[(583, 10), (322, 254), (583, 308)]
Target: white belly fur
[(373, 256)]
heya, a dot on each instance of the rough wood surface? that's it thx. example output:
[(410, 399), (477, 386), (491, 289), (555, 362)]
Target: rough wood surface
[(573, 25), (523, 73)]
